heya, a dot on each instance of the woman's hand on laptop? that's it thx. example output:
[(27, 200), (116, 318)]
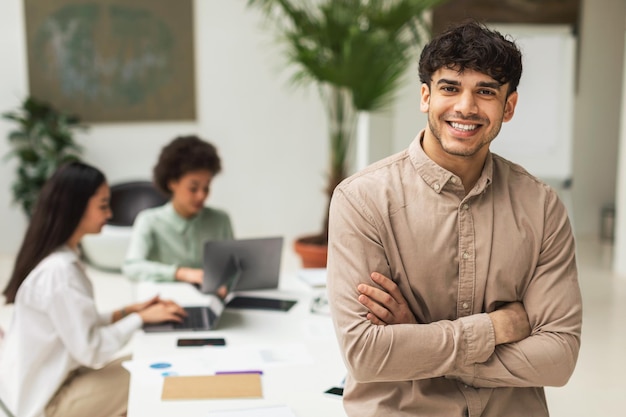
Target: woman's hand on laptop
[(162, 311), (134, 308), (155, 309), (191, 275)]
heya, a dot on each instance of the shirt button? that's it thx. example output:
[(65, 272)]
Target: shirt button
[(436, 186), (465, 305), (465, 255), (453, 180), (465, 206)]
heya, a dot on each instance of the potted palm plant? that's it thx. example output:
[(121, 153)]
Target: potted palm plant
[(355, 52), (42, 140)]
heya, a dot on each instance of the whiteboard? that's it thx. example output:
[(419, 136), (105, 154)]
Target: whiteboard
[(539, 136)]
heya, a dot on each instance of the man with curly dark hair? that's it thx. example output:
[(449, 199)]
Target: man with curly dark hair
[(167, 241), (452, 275)]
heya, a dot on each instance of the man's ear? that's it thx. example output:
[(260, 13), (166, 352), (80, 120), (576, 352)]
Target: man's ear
[(509, 106), (425, 100)]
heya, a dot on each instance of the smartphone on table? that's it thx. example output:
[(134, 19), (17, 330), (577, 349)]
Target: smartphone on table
[(214, 341)]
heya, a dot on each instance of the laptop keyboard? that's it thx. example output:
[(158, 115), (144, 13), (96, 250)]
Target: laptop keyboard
[(197, 318)]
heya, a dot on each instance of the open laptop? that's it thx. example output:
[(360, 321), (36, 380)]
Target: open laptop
[(258, 259), (206, 317)]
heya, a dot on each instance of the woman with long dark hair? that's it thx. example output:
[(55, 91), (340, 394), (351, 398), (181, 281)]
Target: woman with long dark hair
[(58, 351)]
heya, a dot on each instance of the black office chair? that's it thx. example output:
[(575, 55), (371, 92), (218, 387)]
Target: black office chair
[(107, 249), (129, 198)]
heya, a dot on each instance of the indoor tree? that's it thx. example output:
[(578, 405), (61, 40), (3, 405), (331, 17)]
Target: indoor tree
[(42, 140), (355, 52)]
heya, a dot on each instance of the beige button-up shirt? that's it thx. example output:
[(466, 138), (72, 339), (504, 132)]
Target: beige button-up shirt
[(455, 257)]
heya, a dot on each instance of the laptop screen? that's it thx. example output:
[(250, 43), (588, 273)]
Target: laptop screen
[(206, 317), (231, 278), (258, 261)]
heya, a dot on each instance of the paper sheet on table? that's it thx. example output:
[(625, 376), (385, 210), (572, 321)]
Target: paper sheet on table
[(315, 277), (181, 292), (280, 411), (207, 361), (211, 387)]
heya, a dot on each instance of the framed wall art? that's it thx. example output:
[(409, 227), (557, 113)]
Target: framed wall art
[(561, 12), (113, 60)]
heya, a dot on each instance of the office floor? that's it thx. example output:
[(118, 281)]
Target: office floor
[(598, 386)]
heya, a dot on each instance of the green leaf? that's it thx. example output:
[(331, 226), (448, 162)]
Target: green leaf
[(355, 51), (42, 140)]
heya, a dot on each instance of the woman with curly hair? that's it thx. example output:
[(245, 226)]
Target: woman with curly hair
[(167, 241)]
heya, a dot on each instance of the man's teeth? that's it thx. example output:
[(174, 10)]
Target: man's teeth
[(461, 126)]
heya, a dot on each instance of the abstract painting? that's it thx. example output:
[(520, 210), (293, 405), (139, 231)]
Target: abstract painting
[(113, 60), (507, 11)]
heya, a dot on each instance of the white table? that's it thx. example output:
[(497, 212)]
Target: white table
[(300, 386)]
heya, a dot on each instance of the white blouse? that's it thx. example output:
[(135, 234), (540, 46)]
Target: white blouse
[(55, 329)]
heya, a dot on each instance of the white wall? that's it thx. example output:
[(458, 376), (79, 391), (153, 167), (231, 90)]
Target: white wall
[(13, 87), (597, 111), (408, 120), (539, 137), (272, 138), (619, 252)]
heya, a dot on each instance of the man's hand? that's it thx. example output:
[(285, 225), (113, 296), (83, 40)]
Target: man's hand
[(510, 323), (386, 306)]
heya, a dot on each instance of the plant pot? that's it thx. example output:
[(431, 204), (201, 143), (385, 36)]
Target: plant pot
[(311, 251)]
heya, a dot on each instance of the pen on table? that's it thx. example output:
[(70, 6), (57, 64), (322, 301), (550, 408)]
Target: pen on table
[(252, 371)]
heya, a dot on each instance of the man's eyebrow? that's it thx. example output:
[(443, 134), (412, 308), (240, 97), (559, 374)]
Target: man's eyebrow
[(493, 84), (446, 81), (488, 84)]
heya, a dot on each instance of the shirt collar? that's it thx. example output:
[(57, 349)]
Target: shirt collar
[(71, 255), (68, 251), (179, 223), (437, 177)]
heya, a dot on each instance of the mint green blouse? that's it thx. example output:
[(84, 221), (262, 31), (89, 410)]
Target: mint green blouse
[(162, 241)]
